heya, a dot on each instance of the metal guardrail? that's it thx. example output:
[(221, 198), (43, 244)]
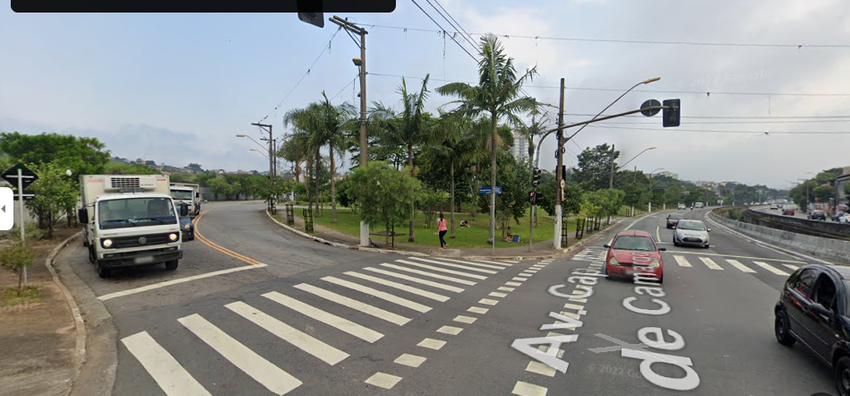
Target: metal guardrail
[(818, 228)]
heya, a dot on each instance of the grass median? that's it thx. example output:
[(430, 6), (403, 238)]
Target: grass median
[(474, 236)]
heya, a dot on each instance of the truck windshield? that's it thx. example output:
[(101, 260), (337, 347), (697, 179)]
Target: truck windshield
[(181, 194), (135, 212)]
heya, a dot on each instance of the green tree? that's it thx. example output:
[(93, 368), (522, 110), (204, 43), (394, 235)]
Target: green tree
[(498, 94), (117, 168), (386, 195), (82, 155), (594, 167), (515, 184), (15, 258), (407, 128), (55, 193), (195, 167), (219, 186)]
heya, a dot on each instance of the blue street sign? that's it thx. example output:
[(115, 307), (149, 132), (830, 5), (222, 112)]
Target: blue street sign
[(489, 190)]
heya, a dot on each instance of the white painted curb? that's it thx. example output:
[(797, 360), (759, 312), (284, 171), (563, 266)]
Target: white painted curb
[(79, 324)]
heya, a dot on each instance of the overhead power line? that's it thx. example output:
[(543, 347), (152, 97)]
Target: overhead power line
[(726, 131), (624, 41), (731, 117), (307, 73), (657, 91), (444, 31)]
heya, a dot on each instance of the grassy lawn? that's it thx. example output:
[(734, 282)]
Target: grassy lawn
[(474, 236), (9, 296)]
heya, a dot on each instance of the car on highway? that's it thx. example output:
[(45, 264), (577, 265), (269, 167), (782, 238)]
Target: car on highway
[(691, 233), (813, 309), (673, 219), (844, 218), (788, 212), (634, 248), (681, 207), (817, 214)]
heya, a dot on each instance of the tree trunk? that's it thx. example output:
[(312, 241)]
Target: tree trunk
[(493, 132), (307, 178), (411, 237), (452, 189), (333, 184), (318, 168)]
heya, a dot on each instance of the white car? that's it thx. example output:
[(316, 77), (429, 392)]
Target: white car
[(844, 219), (691, 232), (681, 207)]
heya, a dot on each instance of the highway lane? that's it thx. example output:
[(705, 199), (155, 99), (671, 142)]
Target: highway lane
[(320, 320), (722, 314)]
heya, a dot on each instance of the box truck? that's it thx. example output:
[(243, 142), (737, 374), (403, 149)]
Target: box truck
[(130, 220), (189, 194)]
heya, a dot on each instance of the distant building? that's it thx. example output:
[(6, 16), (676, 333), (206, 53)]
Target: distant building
[(520, 148), (669, 174)]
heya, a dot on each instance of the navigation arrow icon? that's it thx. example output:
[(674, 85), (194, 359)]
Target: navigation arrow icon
[(3, 208)]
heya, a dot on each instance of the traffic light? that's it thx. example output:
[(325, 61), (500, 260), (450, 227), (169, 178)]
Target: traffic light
[(532, 197), (535, 177), (670, 116)]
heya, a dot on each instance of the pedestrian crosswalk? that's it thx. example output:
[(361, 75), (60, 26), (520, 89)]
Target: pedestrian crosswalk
[(394, 293), (750, 266)]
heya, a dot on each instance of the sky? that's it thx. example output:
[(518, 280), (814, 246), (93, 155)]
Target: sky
[(178, 88)]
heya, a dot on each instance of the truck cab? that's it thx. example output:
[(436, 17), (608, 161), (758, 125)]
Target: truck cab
[(698, 205), (189, 194), (130, 221)]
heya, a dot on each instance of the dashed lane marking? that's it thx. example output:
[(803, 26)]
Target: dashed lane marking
[(431, 343), (540, 368), (465, 319), (451, 330), (383, 380), (526, 389), (497, 294), (682, 261), (410, 360), (478, 310), (711, 264), (488, 301), (507, 289)]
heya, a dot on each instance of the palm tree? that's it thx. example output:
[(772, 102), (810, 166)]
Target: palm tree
[(324, 122), (453, 139), (406, 129), (496, 95)]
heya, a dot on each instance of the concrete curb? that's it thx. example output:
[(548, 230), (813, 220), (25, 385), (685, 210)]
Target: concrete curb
[(79, 324), (417, 254)]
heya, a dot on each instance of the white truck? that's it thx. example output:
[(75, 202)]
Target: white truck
[(699, 205), (189, 194), (130, 220)]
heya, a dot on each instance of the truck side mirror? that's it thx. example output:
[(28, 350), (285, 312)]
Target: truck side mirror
[(83, 215), (184, 210)]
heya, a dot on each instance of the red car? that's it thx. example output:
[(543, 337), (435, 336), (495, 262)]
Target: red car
[(632, 251)]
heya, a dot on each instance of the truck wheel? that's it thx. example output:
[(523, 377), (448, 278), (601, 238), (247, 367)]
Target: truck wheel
[(102, 271), (171, 265)]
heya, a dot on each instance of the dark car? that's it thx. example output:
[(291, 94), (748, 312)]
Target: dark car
[(817, 215), (673, 219), (187, 227), (631, 249), (787, 212), (812, 309)]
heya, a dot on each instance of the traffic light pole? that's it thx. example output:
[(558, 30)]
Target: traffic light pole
[(558, 171)]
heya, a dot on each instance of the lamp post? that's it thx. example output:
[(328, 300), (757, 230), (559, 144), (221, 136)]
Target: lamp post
[(560, 155), (627, 162), (361, 64), (268, 128), (650, 188)]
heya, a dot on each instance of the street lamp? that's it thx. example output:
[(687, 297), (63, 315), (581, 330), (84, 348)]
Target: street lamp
[(650, 188), (361, 64), (560, 154), (638, 155), (258, 151), (252, 139)]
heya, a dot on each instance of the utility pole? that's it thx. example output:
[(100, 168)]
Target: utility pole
[(611, 182), (361, 62), (559, 176), (271, 165)]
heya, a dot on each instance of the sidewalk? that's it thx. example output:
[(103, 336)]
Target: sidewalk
[(38, 339), (540, 249)]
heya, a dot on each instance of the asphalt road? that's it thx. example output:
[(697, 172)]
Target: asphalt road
[(317, 320)]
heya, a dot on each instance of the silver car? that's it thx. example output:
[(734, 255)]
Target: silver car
[(691, 233)]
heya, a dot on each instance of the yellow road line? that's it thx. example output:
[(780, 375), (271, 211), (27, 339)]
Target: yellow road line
[(215, 246)]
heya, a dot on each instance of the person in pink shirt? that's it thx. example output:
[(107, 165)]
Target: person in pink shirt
[(443, 229)]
